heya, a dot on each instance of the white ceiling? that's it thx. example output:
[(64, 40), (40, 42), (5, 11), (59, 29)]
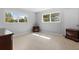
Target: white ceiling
[(36, 9)]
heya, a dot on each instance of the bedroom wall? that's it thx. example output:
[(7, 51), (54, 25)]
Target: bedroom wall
[(17, 28), (1, 18), (50, 27), (69, 19)]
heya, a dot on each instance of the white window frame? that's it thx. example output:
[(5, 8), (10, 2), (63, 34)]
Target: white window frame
[(50, 18), (43, 20), (17, 20)]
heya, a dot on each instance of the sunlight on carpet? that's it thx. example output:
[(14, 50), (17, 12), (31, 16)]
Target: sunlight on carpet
[(41, 36)]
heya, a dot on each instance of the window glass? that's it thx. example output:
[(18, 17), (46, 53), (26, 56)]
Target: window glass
[(51, 17), (13, 17), (54, 17), (46, 18)]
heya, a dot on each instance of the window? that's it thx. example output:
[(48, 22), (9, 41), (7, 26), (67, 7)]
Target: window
[(46, 18), (12, 17), (54, 17), (8, 17), (49, 18)]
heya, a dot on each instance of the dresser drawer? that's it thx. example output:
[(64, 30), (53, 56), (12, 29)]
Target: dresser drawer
[(72, 34), (6, 42)]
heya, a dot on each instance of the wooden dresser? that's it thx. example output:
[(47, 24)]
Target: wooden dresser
[(6, 40), (72, 34)]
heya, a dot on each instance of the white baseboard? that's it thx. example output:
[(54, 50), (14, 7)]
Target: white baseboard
[(20, 34)]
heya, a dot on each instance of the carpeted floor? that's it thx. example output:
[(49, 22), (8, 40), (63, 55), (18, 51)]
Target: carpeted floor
[(43, 41)]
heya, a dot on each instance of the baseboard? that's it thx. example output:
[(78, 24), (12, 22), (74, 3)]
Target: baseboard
[(51, 32), (21, 34)]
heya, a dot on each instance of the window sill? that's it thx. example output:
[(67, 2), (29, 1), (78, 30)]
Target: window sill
[(52, 22)]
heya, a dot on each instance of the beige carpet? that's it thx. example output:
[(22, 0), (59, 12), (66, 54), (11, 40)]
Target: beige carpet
[(43, 41)]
